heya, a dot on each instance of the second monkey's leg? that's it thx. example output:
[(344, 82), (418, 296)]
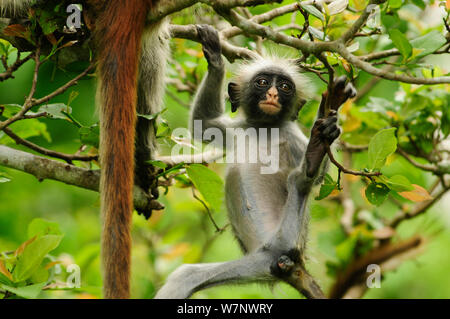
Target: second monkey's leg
[(152, 70)]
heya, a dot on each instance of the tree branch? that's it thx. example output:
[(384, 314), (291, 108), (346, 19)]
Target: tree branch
[(14, 67), (30, 101), (420, 209), (356, 272), (66, 157), (44, 168)]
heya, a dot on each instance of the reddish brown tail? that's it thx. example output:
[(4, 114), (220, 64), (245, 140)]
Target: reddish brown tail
[(119, 30)]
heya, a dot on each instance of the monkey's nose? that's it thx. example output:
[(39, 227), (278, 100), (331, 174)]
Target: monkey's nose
[(272, 93)]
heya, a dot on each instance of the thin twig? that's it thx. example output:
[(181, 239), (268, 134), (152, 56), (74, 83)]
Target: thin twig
[(66, 157), (14, 67), (423, 167), (349, 171), (420, 209), (218, 229)]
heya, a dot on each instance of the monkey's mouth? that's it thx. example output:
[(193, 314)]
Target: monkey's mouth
[(270, 108)]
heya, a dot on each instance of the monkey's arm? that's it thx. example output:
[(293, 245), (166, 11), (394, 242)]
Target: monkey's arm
[(208, 106), (325, 129)]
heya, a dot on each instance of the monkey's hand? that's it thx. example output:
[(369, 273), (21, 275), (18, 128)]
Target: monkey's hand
[(323, 134), (325, 130), (209, 38), (339, 93)]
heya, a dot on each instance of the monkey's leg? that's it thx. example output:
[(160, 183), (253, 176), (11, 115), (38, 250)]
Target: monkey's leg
[(152, 70), (290, 239), (190, 278)]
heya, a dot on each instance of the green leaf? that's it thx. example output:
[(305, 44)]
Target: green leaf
[(392, 21), (90, 135), (27, 129), (317, 33), (381, 146), (428, 43), (55, 111), (31, 258), (47, 22), (344, 251), (327, 241), (314, 11), (40, 227), (9, 110), (328, 186), (401, 43), (28, 292), (419, 3), (152, 116), (395, 3), (399, 183), (376, 193), (4, 178), (40, 275), (157, 163), (208, 183)]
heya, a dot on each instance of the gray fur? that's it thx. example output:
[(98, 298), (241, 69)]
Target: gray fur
[(13, 8), (267, 211), (155, 51)]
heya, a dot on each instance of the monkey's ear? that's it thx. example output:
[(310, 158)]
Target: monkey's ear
[(233, 93)]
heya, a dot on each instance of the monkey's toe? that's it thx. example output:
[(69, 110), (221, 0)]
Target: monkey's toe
[(327, 122), (334, 135), (329, 129)]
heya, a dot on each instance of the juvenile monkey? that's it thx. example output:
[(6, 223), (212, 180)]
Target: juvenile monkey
[(267, 211), (123, 41)]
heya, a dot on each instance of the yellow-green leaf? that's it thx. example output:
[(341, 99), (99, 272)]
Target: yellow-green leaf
[(419, 194)]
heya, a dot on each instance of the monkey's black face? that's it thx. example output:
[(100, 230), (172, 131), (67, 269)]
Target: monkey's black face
[(269, 96)]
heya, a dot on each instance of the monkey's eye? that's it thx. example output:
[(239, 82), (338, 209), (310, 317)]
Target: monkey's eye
[(286, 87), (262, 82)]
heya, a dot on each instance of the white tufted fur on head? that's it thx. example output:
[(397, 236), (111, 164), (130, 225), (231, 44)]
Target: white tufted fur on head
[(14, 6), (248, 69)]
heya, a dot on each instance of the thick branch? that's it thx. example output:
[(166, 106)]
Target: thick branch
[(167, 7), (359, 23), (357, 270), (342, 50), (230, 51), (43, 168)]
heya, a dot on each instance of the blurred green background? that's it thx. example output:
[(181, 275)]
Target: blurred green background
[(182, 233)]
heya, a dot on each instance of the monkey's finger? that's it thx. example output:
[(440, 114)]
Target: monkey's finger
[(319, 122), (328, 130), (332, 113), (321, 113), (334, 135), (327, 122)]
